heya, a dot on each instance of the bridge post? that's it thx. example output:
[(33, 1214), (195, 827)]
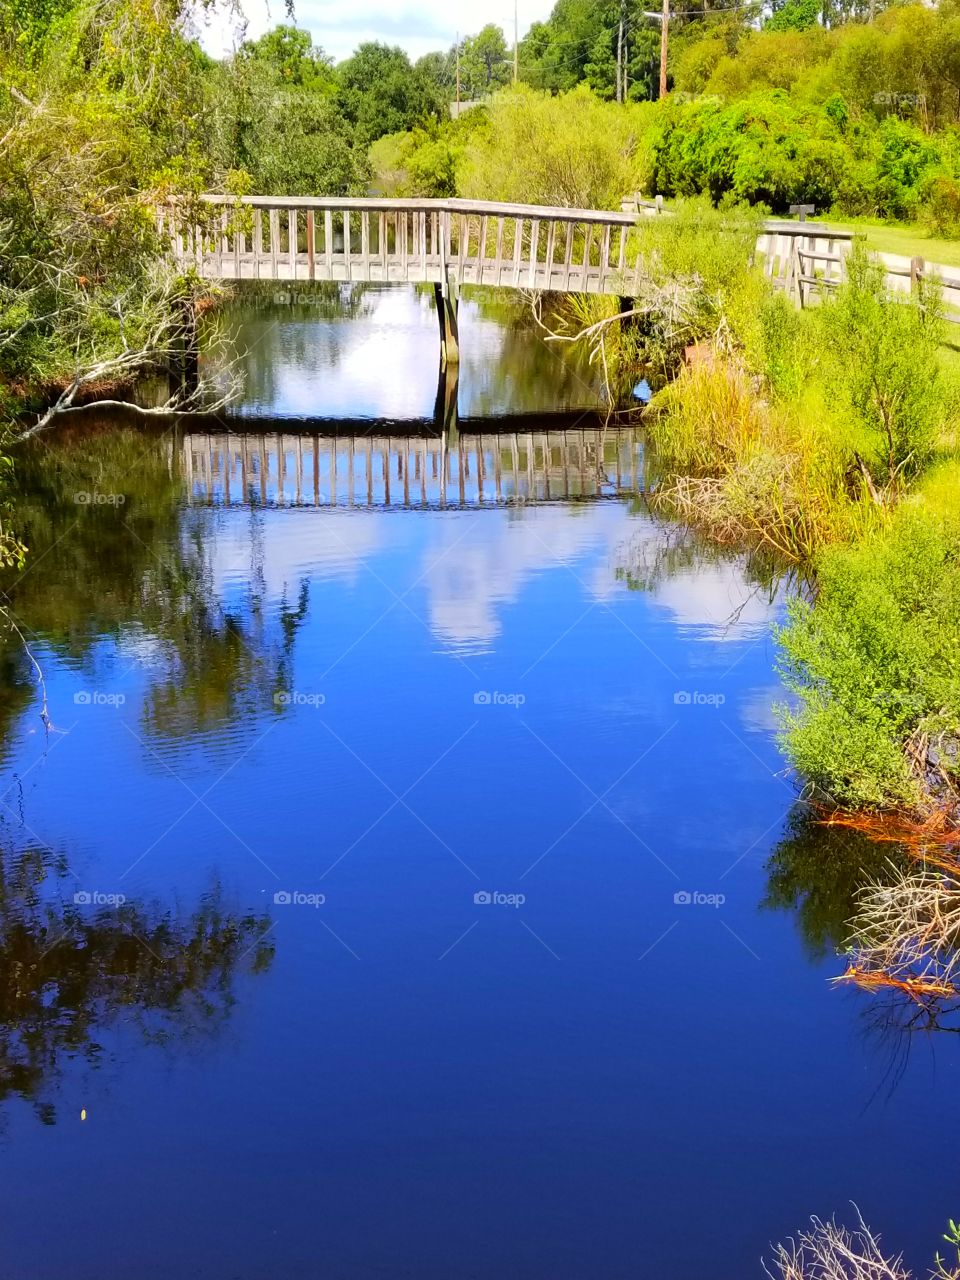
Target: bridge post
[(446, 410), (626, 305), (448, 303)]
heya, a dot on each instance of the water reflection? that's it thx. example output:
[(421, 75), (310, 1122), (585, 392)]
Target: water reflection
[(132, 581), (604, 798), (73, 971), (376, 355), (367, 469), (816, 871)]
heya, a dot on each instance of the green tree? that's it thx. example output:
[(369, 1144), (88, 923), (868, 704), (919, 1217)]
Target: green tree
[(484, 62), (379, 92), (290, 58)]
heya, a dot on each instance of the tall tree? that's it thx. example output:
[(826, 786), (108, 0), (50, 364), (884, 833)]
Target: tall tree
[(379, 92)]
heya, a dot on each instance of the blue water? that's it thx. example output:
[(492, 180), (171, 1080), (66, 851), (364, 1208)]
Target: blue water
[(586, 1075)]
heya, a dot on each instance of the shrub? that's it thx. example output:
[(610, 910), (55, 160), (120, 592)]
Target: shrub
[(764, 149), (875, 665), (941, 206), (567, 150), (881, 369)]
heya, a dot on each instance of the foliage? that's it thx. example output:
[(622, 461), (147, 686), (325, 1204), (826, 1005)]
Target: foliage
[(274, 116), (379, 92), (575, 150), (289, 57), (426, 161), (771, 148), (795, 15), (484, 63), (875, 663), (881, 368), (85, 141), (580, 44), (802, 429)]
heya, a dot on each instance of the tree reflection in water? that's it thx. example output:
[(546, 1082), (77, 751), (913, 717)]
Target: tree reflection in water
[(132, 567), (71, 972), (816, 871)]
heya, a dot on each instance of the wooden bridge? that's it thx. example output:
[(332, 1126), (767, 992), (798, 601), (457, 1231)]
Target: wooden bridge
[(447, 243), (451, 243)]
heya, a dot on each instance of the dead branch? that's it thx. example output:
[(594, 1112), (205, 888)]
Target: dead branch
[(44, 713), (826, 1251)]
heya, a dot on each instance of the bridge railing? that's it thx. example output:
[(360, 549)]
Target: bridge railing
[(466, 242)]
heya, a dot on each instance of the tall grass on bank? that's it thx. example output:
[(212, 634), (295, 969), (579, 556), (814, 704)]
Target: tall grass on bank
[(801, 429)]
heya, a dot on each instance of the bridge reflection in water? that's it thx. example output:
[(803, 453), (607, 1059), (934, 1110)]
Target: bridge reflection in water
[(369, 468)]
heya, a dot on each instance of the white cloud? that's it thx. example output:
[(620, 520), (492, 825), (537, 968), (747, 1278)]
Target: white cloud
[(418, 28)]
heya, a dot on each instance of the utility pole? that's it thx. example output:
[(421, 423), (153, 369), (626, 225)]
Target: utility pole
[(620, 58), (664, 36), (516, 42), (458, 74)]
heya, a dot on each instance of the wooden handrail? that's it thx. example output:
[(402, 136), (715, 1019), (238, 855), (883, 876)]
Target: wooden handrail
[(378, 204)]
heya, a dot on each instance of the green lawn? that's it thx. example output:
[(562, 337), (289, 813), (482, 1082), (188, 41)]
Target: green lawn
[(910, 241)]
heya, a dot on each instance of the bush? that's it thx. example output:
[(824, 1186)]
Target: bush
[(765, 149), (881, 370), (567, 150), (904, 159), (875, 664), (941, 206)]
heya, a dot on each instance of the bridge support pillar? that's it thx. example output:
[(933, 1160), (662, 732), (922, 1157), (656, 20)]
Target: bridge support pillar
[(446, 411), (627, 305), (448, 302)]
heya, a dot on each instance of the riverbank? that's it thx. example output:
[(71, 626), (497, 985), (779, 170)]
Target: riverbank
[(830, 438)]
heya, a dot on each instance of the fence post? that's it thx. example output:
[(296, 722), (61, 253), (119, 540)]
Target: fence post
[(796, 270), (916, 274)]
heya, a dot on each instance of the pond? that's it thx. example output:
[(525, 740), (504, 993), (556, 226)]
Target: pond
[(407, 880)]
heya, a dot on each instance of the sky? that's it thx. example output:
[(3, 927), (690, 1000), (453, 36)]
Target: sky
[(418, 26)]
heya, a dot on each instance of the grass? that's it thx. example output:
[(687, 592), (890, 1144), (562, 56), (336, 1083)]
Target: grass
[(908, 239)]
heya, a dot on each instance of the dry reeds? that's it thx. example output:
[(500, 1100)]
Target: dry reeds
[(826, 1251)]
